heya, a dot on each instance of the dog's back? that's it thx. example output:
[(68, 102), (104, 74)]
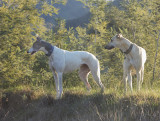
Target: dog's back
[(73, 59)]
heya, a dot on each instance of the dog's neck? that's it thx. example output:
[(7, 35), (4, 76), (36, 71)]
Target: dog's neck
[(47, 48), (126, 46)]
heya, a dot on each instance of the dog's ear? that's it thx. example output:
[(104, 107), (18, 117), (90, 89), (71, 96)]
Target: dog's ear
[(119, 36)]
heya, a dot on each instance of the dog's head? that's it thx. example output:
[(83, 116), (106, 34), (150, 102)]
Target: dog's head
[(116, 41), (37, 46)]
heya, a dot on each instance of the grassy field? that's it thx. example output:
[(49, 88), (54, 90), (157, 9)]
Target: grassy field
[(77, 104)]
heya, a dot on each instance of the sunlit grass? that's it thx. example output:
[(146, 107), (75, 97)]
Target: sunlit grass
[(81, 90), (79, 104)]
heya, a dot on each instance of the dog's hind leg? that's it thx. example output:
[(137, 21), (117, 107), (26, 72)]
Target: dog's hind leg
[(83, 74)]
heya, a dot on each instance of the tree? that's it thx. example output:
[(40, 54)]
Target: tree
[(20, 20)]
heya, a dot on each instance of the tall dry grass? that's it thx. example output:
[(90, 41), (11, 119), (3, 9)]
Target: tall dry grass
[(77, 105)]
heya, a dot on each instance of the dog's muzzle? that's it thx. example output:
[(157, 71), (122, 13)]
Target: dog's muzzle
[(109, 47)]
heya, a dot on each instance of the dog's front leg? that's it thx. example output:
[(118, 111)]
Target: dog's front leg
[(60, 85), (130, 80), (57, 85), (138, 80), (125, 77), (56, 82)]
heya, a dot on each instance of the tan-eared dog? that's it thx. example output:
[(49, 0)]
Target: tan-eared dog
[(135, 56)]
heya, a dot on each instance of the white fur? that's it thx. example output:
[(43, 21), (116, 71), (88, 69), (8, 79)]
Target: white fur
[(136, 58), (63, 61)]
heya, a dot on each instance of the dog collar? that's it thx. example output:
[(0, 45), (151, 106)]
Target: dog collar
[(50, 51), (129, 49)]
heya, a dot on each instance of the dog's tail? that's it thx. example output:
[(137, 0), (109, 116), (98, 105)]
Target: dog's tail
[(94, 67), (144, 56)]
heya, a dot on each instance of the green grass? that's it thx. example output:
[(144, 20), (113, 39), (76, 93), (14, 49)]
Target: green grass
[(39, 104)]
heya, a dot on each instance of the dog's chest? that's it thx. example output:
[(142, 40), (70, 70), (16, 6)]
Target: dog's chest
[(133, 61), (56, 62), (51, 63)]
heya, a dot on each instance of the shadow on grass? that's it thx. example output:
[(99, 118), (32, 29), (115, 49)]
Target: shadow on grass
[(22, 106)]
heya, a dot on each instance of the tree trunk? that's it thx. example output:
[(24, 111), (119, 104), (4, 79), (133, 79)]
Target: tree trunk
[(155, 58)]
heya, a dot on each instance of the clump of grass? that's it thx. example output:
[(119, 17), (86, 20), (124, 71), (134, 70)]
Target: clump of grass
[(79, 105)]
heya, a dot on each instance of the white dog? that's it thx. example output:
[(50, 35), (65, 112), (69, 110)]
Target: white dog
[(63, 61), (135, 56)]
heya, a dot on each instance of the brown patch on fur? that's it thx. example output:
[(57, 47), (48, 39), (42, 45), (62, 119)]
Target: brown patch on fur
[(133, 71), (83, 74)]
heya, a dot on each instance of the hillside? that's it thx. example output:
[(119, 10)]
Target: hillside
[(74, 12), (76, 105)]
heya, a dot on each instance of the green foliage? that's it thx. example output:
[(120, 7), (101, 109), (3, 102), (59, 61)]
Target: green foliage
[(137, 20), (19, 20)]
